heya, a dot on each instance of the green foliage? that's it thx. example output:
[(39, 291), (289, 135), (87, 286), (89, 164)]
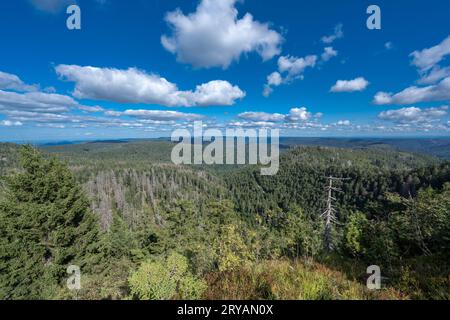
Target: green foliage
[(231, 249), (46, 226), (164, 279), (355, 231), (423, 223), (118, 241), (111, 283), (423, 278), (193, 232), (304, 233)]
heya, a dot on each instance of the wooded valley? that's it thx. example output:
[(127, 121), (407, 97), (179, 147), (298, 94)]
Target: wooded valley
[(141, 227)]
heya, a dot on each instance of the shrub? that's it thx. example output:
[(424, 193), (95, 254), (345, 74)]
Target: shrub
[(165, 279), (354, 232), (231, 249)]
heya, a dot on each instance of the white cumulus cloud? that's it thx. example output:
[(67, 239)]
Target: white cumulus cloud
[(358, 84), (10, 81), (414, 94), (337, 34), (344, 123), (217, 92), (295, 115), (136, 86), (9, 123), (294, 66), (427, 62), (298, 114), (434, 78), (262, 116), (36, 101), (428, 58), (414, 114), (434, 75), (214, 36), (328, 53), (289, 69), (161, 115), (274, 79)]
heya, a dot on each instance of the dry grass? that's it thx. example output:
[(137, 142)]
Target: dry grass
[(286, 280)]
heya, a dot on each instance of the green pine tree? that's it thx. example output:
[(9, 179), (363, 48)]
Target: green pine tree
[(46, 226)]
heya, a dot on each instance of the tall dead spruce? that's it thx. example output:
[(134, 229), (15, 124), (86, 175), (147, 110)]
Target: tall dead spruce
[(329, 215)]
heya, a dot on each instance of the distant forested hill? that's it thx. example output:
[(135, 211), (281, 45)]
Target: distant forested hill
[(114, 152), (439, 147)]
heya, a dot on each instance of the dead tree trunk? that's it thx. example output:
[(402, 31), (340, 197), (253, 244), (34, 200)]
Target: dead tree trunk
[(329, 215)]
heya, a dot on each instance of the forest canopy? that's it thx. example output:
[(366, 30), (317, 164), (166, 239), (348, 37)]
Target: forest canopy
[(143, 228)]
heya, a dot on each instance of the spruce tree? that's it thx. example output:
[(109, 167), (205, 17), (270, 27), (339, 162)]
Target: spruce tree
[(46, 225)]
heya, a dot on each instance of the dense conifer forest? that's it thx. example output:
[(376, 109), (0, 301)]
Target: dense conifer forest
[(140, 227)]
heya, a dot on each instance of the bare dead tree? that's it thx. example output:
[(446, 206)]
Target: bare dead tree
[(329, 215)]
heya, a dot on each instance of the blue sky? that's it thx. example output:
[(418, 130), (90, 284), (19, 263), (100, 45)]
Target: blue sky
[(142, 68)]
